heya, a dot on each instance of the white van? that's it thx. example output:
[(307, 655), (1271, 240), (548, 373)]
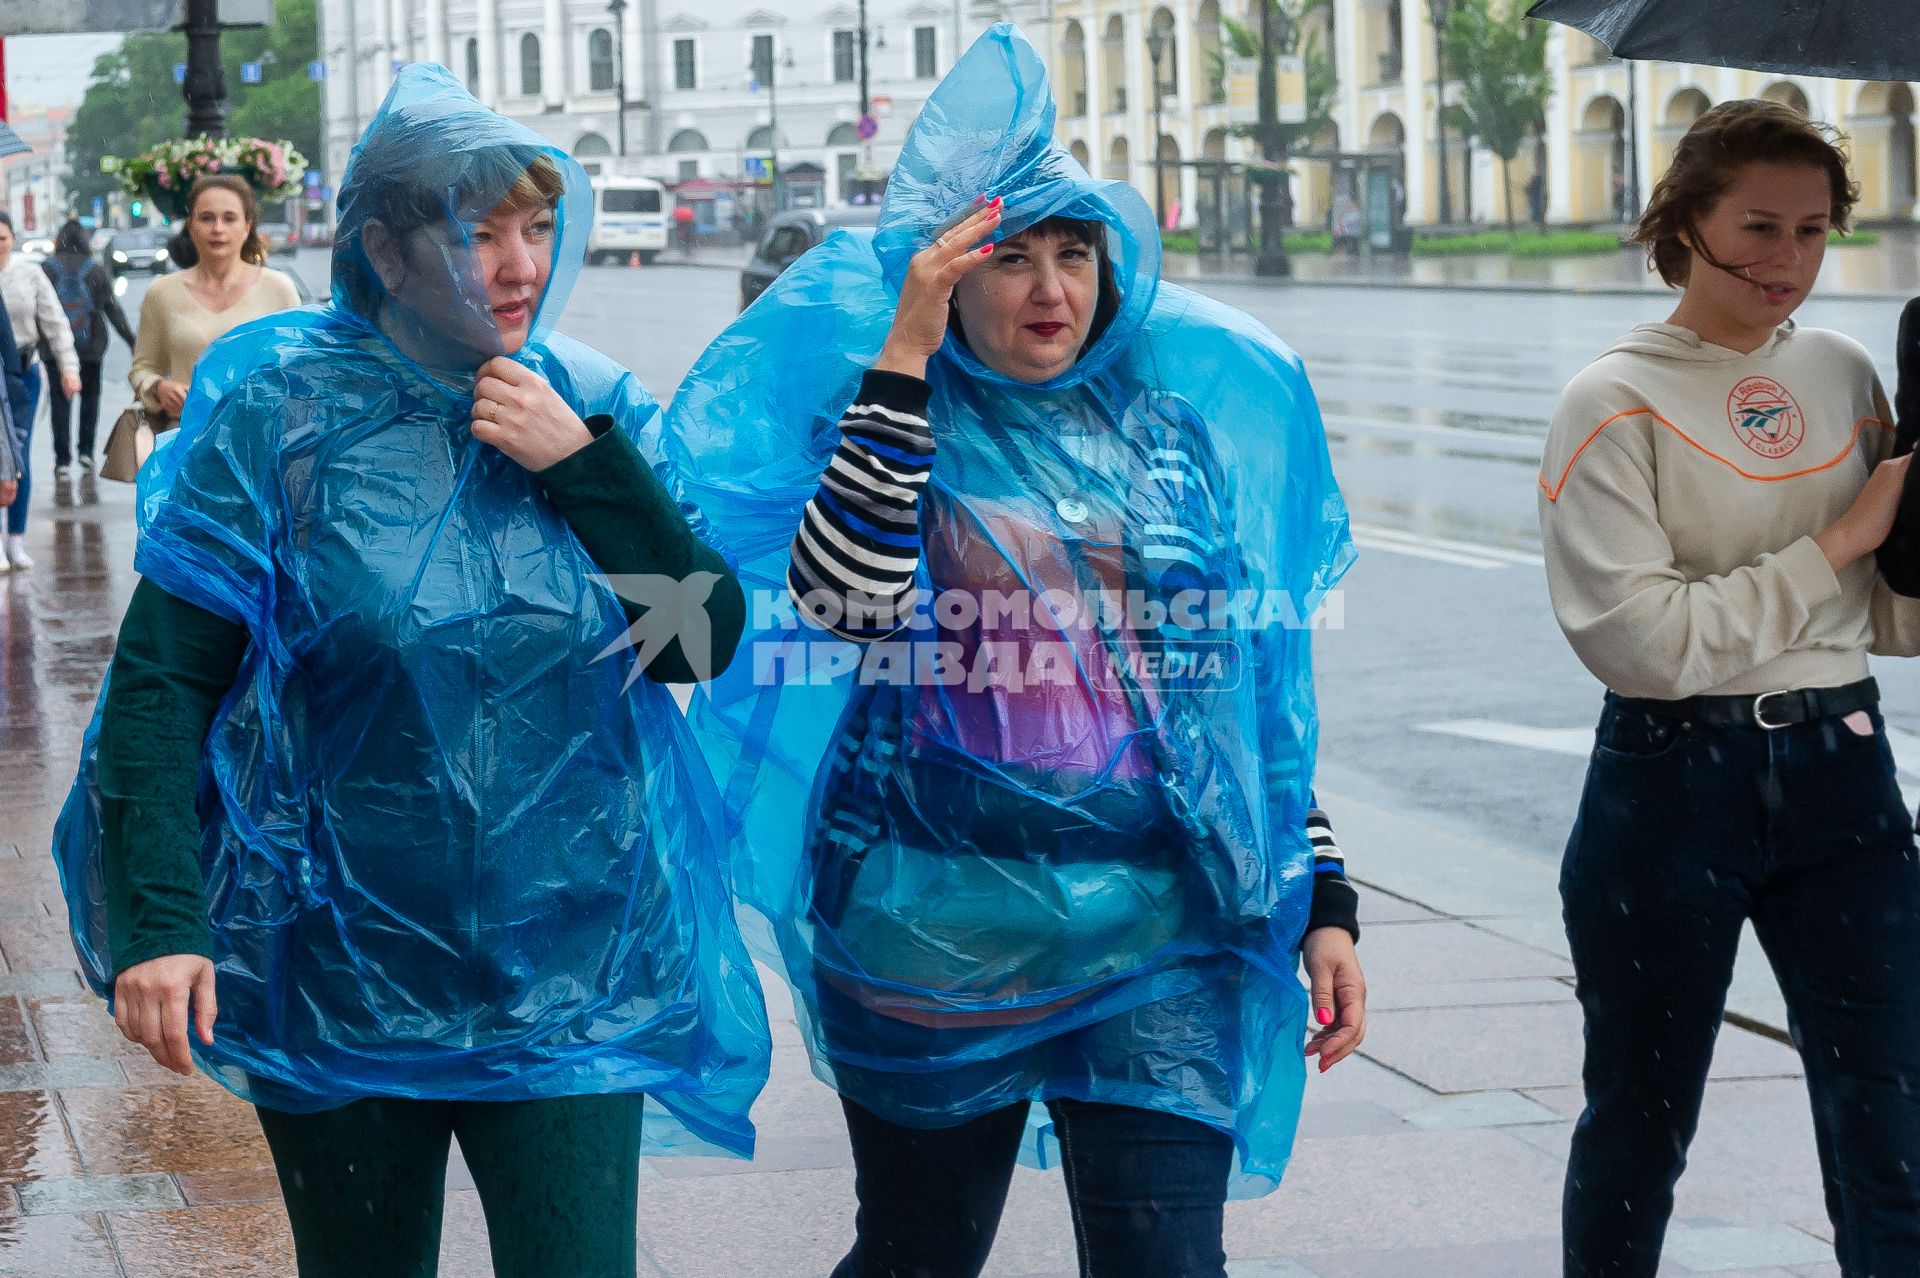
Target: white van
[(630, 216)]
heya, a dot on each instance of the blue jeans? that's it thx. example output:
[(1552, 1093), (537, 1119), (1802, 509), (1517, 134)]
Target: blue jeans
[(1148, 1192), (23, 439), (1686, 830)]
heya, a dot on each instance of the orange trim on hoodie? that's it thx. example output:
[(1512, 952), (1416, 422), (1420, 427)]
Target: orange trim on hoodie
[(1553, 491)]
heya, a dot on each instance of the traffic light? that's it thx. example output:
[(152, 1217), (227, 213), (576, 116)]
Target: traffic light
[(137, 207)]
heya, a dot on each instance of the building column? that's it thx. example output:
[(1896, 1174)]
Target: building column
[(1416, 33), (436, 35), (630, 60), (488, 36), (1560, 143), (1644, 127), (553, 55), (1096, 139)]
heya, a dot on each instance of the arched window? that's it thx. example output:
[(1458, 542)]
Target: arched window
[(843, 135), (530, 65), (600, 60), (688, 140), (473, 66), (590, 146), (761, 139)]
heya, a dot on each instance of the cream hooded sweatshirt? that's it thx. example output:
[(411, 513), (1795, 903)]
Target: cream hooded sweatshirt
[(1680, 492)]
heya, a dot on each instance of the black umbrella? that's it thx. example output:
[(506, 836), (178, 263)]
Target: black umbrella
[(1845, 39)]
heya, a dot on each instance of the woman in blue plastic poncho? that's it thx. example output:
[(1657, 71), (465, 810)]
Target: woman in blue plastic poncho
[(380, 822), (1024, 794)]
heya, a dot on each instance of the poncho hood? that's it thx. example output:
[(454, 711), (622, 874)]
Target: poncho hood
[(432, 164), (988, 130)]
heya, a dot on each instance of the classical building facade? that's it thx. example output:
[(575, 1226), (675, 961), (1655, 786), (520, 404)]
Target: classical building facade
[(1607, 124), (695, 107)]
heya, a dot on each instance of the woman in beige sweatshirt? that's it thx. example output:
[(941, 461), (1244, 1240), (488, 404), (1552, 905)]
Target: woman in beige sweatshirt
[(230, 284), (1712, 493)]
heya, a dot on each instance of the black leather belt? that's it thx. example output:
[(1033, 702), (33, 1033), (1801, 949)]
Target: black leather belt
[(1769, 710)]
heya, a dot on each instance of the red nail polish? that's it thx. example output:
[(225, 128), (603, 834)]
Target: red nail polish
[(1323, 1015), (979, 199), (985, 249)]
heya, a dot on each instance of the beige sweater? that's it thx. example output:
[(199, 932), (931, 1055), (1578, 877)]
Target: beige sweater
[(1680, 492), (175, 328)]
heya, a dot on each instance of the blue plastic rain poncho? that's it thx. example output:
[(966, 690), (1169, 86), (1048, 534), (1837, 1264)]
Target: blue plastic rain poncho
[(448, 852), (1062, 854)]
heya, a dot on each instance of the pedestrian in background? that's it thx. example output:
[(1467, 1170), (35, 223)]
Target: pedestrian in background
[(1713, 493), (14, 407), (228, 284), (86, 295), (38, 322), (1093, 889)]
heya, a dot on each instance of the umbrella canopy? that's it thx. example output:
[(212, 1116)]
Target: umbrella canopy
[(1844, 39), (10, 143)]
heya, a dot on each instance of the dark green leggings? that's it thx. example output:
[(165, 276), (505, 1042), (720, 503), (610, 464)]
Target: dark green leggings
[(365, 1184)]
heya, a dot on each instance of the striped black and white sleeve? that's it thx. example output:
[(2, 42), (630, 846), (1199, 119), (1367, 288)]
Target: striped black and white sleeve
[(1335, 903), (858, 548)]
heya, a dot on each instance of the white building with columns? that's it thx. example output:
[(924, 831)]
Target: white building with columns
[(694, 108), (1610, 126)]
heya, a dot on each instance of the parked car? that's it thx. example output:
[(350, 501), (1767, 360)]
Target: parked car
[(629, 216), (143, 248), (279, 237), (37, 249), (790, 235)]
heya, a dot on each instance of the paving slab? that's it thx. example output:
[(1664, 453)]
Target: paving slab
[(74, 1246), (1726, 1248), (243, 1240), (1528, 1046), (99, 1193)]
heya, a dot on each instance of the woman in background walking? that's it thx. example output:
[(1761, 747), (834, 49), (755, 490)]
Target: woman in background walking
[(35, 317), (86, 295)]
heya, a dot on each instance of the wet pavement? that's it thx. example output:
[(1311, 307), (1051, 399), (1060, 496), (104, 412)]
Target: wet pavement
[(1437, 1151)]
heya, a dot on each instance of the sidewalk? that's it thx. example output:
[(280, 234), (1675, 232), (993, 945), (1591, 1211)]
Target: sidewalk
[(1437, 1152), (1888, 270)]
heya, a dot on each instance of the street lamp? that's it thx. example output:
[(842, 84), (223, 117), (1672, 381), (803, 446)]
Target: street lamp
[(618, 8), (205, 87), (1156, 48), (766, 71), (1276, 197), (1440, 11)]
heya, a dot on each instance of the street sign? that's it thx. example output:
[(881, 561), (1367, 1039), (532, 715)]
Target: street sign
[(756, 166), (58, 17), (179, 73), (249, 73), (867, 127), (316, 70), (882, 105), (99, 207)]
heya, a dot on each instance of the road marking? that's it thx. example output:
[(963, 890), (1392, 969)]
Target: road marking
[(1579, 742), (1525, 448), (1464, 554), (1573, 741)]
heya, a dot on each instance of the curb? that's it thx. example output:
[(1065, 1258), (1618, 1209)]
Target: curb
[(1500, 286)]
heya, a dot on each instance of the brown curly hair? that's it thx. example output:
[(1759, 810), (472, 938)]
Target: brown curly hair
[(1709, 158)]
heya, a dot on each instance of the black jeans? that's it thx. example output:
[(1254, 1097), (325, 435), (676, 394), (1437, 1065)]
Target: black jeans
[(1685, 831), (89, 413), (1148, 1192)]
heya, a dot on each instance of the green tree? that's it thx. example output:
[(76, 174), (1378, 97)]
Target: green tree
[(1501, 59), (132, 102), (1290, 37)]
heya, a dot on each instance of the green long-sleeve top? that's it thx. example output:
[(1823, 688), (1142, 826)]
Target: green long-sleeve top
[(176, 661)]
